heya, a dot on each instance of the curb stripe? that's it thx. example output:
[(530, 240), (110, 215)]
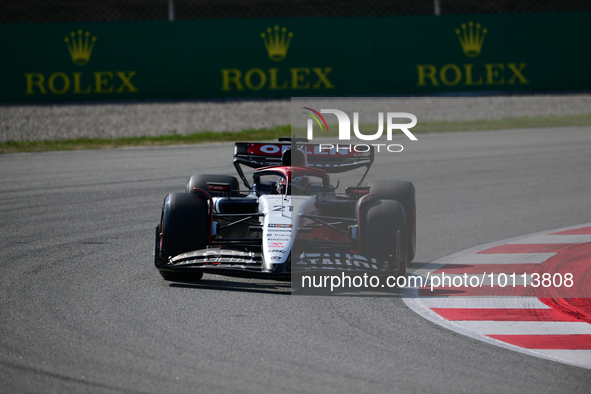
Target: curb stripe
[(524, 248), (484, 291), (546, 323), (482, 259), (527, 328), (502, 314), (582, 230), (554, 239), (485, 303), (460, 269), (571, 342)]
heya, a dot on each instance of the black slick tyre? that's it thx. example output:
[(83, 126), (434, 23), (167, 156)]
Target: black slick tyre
[(184, 227), (403, 192), (382, 229)]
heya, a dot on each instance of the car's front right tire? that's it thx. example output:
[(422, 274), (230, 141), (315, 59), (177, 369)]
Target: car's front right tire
[(184, 227)]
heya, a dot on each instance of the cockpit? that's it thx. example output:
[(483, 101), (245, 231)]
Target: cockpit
[(293, 177)]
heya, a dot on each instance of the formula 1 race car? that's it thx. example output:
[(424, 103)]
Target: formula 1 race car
[(291, 219)]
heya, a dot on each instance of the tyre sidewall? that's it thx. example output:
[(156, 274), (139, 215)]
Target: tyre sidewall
[(403, 192), (184, 225), (380, 221)]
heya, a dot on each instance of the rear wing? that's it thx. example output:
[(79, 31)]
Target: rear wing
[(328, 157)]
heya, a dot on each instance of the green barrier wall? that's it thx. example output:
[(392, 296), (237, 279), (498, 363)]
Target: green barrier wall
[(301, 57)]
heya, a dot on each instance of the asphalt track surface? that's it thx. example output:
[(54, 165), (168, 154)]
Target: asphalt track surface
[(82, 309)]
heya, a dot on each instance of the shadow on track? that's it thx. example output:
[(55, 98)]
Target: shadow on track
[(279, 288)]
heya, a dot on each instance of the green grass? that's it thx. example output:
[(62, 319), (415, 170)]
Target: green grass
[(173, 139), (281, 131)]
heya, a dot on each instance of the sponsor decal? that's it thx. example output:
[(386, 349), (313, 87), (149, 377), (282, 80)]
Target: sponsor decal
[(218, 187), (279, 225), (81, 81), (279, 208), (337, 261), (471, 39), (80, 47), (318, 150), (357, 190), (276, 41), (276, 245), (215, 257)]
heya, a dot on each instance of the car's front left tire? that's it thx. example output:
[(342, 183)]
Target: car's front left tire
[(404, 193), (382, 228)]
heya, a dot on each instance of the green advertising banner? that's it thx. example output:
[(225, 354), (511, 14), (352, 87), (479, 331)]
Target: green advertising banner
[(294, 57), (473, 53)]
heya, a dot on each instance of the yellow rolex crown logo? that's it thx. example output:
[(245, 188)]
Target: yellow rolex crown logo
[(80, 47), (277, 42), (471, 39)]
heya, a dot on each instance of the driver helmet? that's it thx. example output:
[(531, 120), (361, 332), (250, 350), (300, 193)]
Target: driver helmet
[(281, 186), (301, 186)]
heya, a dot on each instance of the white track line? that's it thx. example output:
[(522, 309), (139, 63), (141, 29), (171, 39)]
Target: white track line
[(521, 258), (552, 239), (485, 303), (579, 356), (526, 327)]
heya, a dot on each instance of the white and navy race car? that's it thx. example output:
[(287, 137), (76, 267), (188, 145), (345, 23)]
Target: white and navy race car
[(291, 219)]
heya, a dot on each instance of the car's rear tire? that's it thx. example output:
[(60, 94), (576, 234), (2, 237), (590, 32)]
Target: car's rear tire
[(200, 182), (382, 229), (184, 227), (403, 192)]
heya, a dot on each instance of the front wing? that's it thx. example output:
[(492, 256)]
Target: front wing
[(250, 264)]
